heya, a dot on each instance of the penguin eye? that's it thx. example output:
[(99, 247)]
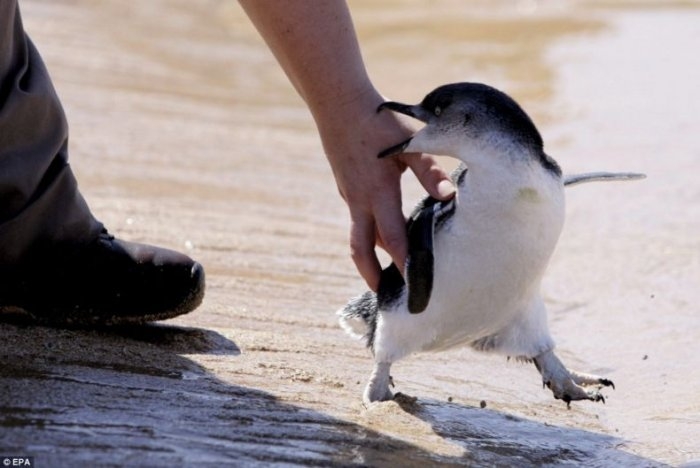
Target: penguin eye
[(437, 111)]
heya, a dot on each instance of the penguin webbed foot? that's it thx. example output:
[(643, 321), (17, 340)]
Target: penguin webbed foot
[(567, 385), (574, 393)]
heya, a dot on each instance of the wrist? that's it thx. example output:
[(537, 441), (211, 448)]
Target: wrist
[(350, 106)]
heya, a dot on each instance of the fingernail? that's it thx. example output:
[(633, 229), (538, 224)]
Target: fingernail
[(446, 189)]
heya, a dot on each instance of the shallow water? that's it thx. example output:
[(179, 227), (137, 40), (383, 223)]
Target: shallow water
[(185, 133)]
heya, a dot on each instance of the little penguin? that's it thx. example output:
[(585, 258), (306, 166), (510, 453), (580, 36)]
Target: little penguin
[(475, 263)]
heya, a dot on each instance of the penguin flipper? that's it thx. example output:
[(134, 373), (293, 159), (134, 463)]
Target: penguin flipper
[(420, 229), (420, 265), (420, 261)]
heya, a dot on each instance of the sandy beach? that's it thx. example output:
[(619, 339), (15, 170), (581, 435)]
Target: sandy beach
[(185, 133)]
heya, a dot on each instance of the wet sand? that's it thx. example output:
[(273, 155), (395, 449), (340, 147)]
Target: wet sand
[(185, 133)]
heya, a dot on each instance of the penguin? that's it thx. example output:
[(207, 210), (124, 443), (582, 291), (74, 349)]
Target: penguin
[(475, 263)]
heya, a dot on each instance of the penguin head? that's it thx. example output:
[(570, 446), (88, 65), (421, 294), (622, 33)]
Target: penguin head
[(463, 119)]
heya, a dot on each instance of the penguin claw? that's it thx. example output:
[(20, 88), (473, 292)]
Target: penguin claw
[(606, 383)]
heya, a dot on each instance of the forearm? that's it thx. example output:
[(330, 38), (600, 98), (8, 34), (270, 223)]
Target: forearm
[(315, 43)]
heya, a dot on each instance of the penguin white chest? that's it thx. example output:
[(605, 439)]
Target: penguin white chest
[(489, 261)]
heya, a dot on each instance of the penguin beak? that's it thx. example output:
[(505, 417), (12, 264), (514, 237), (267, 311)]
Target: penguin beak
[(394, 150), (417, 112)]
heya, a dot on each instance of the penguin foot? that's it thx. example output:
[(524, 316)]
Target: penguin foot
[(378, 386), (569, 385)]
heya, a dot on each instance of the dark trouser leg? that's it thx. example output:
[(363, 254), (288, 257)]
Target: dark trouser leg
[(57, 265), (39, 198)]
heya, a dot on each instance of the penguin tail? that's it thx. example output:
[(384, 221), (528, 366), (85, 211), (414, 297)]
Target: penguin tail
[(576, 179), (359, 317)]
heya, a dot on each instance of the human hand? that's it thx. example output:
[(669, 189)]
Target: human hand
[(352, 137), (316, 45)]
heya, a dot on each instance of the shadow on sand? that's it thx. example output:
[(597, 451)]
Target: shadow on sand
[(126, 395), (493, 438)]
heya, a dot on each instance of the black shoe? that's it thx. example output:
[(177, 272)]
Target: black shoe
[(106, 282)]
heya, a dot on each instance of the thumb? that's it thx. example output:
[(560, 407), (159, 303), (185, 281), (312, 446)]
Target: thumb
[(431, 176)]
